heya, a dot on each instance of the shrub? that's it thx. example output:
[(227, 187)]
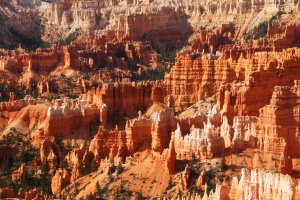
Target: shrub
[(119, 168), (170, 184), (139, 196), (150, 74)]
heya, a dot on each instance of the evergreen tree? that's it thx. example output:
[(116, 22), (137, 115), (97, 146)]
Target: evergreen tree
[(76, 188), (4, 163), (110, 178), (223, 162), (170, 184), (45, 177), (119, 168), (90, 196), (22, 153), (81, 167), (139, 196), (94, 166), (98, 189), (24, 179)]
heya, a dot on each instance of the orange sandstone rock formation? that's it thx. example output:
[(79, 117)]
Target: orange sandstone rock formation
[(60, 180)]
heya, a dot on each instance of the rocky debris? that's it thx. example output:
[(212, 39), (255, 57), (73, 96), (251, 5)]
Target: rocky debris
[(151, 133), (104, 141)]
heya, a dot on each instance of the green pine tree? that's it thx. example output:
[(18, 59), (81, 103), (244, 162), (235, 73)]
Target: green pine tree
[(90, 196), (119, 168), (139, 196), (223, 162), (94, 166), (98, 189), (45, 177)]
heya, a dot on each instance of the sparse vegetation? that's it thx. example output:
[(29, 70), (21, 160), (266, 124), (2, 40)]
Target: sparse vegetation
[(139, 196), (121, 193), (170, 184), (81, 168), (5, 89), (149, 74), (98, 189), (119, 168), (91, 196), (94, 166), (261, 29), (169, 53), (72, 37), (28, 43), (44, 180), (223, 162)]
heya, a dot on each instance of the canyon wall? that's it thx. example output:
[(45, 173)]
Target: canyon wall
[(253, 64)]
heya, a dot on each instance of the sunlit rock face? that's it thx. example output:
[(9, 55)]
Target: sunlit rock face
[(259, 184), (126, 99), (60, 180), (183, 82), (279, 125), (254, 184), (153, 133), (130, 17), (64, 114), (203, 142), (192, 79), (104, 141)]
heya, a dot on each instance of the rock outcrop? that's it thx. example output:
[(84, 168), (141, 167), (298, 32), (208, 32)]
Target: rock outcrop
[(104, 141), (171, 157), (64, 114), (154, 133), (19, 175), (260, 184), (198, 75), (60, 180), (80, 157), (202, 143), (50, 153)]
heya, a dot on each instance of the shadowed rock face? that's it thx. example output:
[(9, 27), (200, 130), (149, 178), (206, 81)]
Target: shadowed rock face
[(21, 23)]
